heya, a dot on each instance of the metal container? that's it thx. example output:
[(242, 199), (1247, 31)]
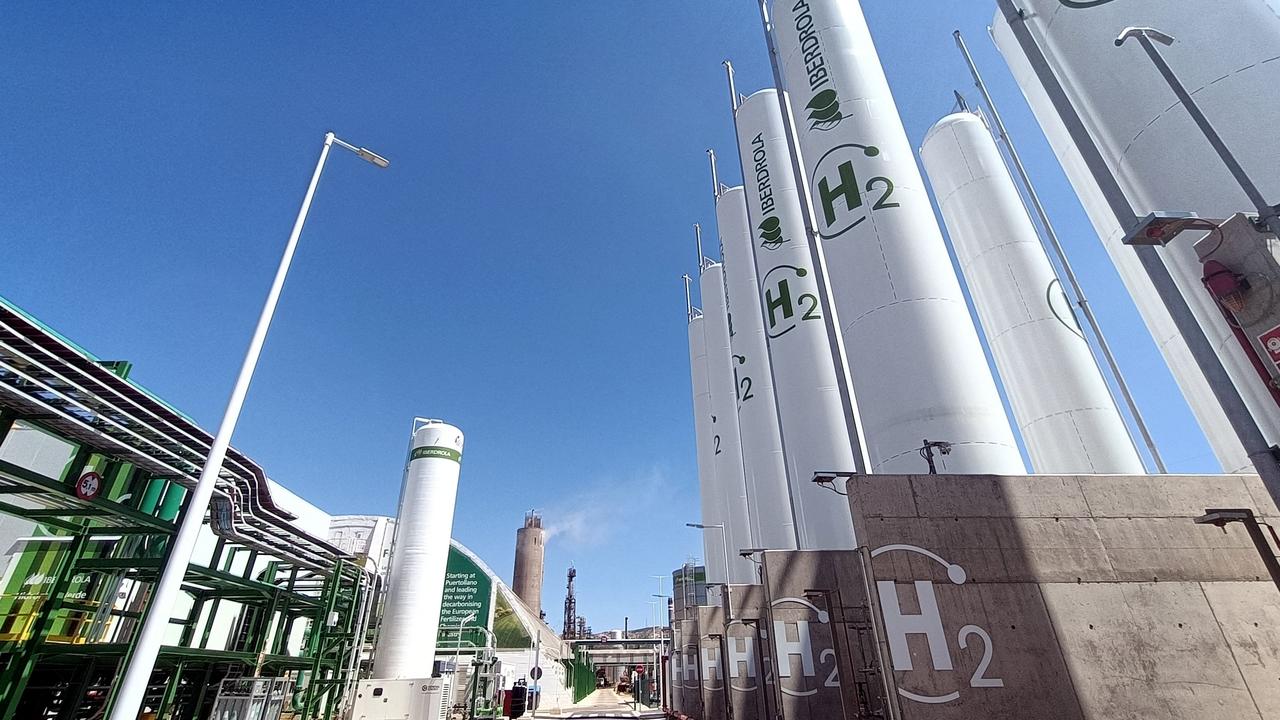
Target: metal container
[(1067, 417), (1226, 57), (916, 363)]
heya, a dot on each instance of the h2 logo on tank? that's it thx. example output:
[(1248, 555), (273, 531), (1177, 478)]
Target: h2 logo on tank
[(928, 622), (837, 189), (743, 382), (815, 671)]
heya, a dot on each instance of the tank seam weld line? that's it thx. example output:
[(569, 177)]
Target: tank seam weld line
[(961, 443), (878, 308), (1066, 412), (1024, 323), (1125, 153)]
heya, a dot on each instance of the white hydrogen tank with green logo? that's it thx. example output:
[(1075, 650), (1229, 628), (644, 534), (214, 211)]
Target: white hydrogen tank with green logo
[(814, 429), (726, 440), (415, 582), (1060, 400), (713, 503), (1227, 53), (917, 366), (766, 467)]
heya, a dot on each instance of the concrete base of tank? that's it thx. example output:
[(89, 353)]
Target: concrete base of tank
[(1071, 596)]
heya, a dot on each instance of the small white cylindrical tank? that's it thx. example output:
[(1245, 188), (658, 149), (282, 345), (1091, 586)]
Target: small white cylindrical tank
[(766, 467), (1068, 419), (1226, 53), (814, 428), (708, 489), (415, 581), (914, 354), (726, 440)]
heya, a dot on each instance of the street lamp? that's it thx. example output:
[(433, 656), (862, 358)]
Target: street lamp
[(724, 540), (142, 659)]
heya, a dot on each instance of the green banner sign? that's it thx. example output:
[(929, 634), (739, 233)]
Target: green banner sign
[(467, 592)]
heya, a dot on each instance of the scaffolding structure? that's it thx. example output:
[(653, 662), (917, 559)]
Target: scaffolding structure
[(102, 530)]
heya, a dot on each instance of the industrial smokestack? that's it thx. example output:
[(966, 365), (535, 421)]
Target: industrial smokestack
[(526, 578), (424, 523)]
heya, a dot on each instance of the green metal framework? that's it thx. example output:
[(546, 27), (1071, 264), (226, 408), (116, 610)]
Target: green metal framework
[(94, 559)]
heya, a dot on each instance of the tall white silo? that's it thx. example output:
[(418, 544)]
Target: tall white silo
[(713, 503), (1225, 54), (814, 428), (415, 581), (1067, 417), (762, 453), (914, 353), (727, 440)]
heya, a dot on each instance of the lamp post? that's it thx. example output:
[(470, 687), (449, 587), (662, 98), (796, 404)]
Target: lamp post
[(141, 660), (724, 541)]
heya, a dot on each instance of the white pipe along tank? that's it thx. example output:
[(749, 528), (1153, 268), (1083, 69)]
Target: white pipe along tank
[(917, 365), (810, 410), (766, 466), (1067, 417), (726, 440), (708, 490), (1226, 57), (415, 581)]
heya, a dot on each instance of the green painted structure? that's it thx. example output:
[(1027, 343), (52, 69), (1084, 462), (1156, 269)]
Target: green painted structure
[(99, 528)]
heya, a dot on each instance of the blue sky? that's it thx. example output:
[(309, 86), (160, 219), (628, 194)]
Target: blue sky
[(515, 271)]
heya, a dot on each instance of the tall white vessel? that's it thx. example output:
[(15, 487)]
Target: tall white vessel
[(1067, 417), (1226, 53), (415, 582), (814, 428), (914, 357), (762, 453)]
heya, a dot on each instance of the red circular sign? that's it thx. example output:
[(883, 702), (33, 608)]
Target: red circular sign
[(88, 486)]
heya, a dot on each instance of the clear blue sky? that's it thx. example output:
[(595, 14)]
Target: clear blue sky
[(515, 271)]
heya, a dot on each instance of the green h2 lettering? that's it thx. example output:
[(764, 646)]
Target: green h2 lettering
[(782, 301), (848, 188)]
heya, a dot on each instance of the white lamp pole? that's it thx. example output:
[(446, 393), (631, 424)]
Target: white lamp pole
[(724, 540), (141, 660)]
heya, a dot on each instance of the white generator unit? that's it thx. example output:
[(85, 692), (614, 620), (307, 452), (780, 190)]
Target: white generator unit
[(399, 699)]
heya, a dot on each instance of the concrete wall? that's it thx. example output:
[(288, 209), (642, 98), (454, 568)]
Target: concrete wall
[(1072, 597)]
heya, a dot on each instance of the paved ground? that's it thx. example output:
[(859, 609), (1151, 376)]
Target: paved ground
[(603, 703)]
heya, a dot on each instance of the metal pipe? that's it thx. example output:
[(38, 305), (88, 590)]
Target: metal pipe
[(734, 98), (697, 238), (688, 295), (715, 178), (1226, 393), (853, 423), (1051, 236)]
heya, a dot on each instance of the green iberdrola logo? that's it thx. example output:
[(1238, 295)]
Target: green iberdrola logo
[(771, 233), (824, 110)]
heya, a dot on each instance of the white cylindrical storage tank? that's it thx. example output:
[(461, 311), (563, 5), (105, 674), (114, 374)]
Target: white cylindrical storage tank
[(415, 581), (814, 428), (726, 439), (708, 489), (914, 356), (766, 467), (1224, 55), (1067, 417)]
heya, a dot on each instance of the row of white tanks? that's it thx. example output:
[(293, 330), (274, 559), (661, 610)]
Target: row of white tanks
[(917, 368)]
